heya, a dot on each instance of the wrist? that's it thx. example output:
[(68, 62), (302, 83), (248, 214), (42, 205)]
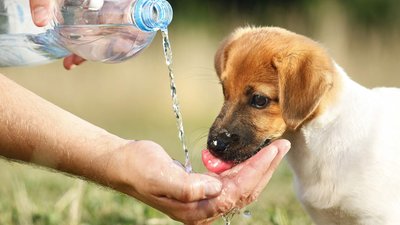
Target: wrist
[(121, 167), (125, 171), (93, 158)]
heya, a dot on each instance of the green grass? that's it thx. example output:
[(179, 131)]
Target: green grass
[(34, 196)]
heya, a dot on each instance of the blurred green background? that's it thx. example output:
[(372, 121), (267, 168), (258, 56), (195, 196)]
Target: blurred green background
[(132, 100)]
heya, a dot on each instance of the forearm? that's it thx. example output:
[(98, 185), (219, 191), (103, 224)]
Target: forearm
[(36, 131)]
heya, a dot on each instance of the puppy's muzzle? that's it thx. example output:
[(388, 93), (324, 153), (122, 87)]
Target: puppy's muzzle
[(218, 143)]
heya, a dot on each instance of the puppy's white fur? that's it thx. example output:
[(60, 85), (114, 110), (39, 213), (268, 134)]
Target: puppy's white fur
[(346, 161)]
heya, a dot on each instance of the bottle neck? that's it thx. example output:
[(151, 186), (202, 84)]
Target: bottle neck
[(152, 15)]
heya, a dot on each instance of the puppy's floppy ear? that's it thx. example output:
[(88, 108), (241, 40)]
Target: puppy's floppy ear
[(304, 78), (221, 56)]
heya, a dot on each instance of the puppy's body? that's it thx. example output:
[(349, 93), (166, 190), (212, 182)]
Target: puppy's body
[(346, 160), (345, 144)]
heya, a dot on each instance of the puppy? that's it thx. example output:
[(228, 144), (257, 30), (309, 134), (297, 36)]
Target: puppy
[(345, 144)]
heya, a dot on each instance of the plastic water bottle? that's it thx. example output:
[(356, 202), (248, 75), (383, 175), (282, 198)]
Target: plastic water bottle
[(97, 30)]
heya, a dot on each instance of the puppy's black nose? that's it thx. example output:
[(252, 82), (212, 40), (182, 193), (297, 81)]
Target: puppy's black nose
[(221, 141)]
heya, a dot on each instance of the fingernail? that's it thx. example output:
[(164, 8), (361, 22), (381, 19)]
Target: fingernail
[(40, 15), (213, 188), (72, 67), (286, 146), (272, 152)]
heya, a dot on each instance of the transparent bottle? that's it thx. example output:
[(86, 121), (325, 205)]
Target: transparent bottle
[(98, 30)]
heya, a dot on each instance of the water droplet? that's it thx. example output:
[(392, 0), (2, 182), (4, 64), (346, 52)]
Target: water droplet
[(246, 213), (227, 217)]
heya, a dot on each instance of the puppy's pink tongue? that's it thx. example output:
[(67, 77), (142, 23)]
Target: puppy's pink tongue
[(214, 164)]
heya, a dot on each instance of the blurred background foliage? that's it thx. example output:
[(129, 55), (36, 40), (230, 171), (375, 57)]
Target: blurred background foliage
[(362, 12), (132, 99)]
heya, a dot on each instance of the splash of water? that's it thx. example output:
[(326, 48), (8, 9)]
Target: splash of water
[(228, 216), (227, 219), (174, 95), (247, 214)]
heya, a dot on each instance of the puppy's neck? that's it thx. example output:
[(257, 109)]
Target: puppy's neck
[(342, 97), (340, 128), (344, 104)]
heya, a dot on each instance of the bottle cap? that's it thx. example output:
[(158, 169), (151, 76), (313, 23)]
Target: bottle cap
[(152, 15)]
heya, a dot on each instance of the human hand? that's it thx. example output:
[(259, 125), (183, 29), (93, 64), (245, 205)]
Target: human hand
[(40, 11), (72, 60), (146, 172), (151, 176), (41, 14), (243, 183)]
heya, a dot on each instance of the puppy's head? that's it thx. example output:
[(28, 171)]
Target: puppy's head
[(273, 80)]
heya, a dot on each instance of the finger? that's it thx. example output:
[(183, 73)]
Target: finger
[(72, 60), (68, 62), (40, 10), (200, 212), (207, 221), (242, 188), (192, 187), (283, 148), (78, 60), (244, 182), (254, 168)]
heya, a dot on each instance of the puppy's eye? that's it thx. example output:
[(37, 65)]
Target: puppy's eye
[(259, 101)]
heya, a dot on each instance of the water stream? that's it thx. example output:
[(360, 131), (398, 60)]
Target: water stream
[(175, 102)]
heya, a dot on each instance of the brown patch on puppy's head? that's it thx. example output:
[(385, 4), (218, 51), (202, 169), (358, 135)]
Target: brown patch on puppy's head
[(273, 80)]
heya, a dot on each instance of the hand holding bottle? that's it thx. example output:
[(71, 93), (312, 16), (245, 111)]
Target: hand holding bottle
[(40, 10)]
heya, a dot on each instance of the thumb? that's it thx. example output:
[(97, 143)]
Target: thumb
[(283, 147), (195, 187), (40, 10), (72, 60)]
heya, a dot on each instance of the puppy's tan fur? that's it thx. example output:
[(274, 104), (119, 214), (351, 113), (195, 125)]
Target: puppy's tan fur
[(344, 138), (294, 71)]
